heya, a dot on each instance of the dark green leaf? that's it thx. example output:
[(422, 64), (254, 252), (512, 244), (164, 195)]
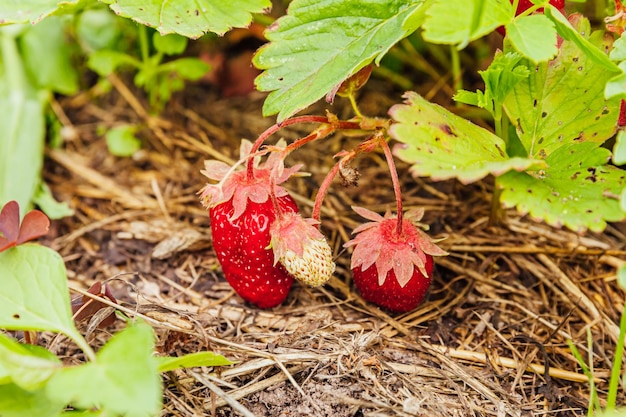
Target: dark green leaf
[(459, 22), (190, 18), (320, 44)]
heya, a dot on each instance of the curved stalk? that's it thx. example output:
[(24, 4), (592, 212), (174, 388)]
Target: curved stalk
[(319, 198), (395, 181), (275, 128)]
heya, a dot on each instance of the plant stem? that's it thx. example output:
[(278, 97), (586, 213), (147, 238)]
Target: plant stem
[(496, 210), (364, 146), (82, 344), (456, 68), (617, 363), (319, 133), (593, 397), (393, 172), (337, 125), (319, 198), (275, 128), (144, 46), (354, 105)]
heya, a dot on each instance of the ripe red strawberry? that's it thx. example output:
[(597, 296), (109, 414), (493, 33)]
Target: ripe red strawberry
[(524, 5), (392, 269), (241, 247), (242, 212)]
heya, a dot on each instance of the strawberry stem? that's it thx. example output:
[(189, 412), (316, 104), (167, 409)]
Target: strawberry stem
[(368, 145), (332, 123), (319, 198), (275, 128), (319, 133), (394, 179)]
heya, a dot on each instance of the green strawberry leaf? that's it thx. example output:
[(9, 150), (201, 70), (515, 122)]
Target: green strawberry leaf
[(616, 86), (533, 36), (121, 140), (500, 78), (317, 45), (190, 18), (571, 31), (443, 145), (124, 379), (104, 61), (56, 72), (27, 366), (18, 402), (618, 53), (191, 360), (619, 150), (169, 44), (563, 101), (33, 294), (575, 190), (45, 200), (458, 22), (22, 117), (33, 11), (188, 68)]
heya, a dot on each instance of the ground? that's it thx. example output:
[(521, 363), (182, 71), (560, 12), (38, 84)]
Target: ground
[(490, 340)]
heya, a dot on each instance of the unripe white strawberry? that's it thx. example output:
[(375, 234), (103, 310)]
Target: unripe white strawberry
[(302, 249)]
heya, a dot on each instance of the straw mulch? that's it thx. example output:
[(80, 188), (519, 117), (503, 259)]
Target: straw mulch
[(489, 341)]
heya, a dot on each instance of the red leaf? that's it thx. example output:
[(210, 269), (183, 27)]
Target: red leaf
[(86, 307), (34, 225), (10, 221)]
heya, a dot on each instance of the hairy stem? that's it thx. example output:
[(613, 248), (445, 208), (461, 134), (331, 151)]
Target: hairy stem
[(275, 128), (393, 172), (319, 198)]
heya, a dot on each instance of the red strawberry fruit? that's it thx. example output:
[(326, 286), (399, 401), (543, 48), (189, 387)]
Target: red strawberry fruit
[(392, 264), (241, 247), (241, 213)]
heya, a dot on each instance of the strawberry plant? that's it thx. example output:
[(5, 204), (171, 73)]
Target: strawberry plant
[(160, 79), (553, 96), (122, 378), (553, 92)]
